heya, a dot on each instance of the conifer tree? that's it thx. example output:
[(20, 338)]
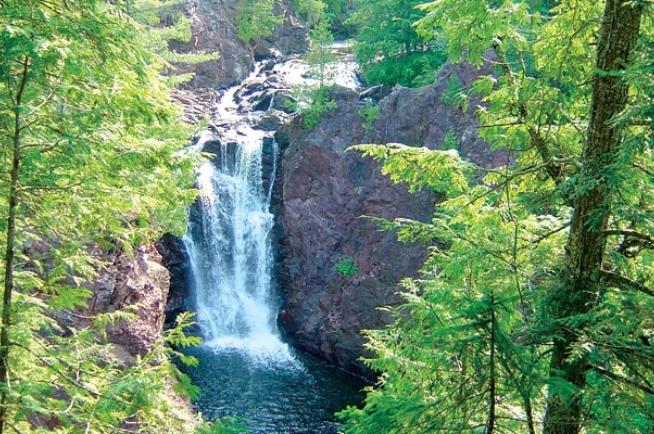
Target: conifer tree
[(89, 156), (387, 46), (534, 311), (256, 19)]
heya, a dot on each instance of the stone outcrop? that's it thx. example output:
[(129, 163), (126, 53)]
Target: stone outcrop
[(213, 31), (175, 259), (140, 282), (322, 192)]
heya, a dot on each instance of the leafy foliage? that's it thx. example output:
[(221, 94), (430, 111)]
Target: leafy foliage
[(311, 10), (389, 49), (450, 141), (369, 113), (312, 103), (320, 56), (256, 19), (90, 157), (454, 94), (346, 266), (532, 313)]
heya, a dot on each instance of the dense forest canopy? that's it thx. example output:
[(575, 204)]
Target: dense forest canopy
[(89, 162)]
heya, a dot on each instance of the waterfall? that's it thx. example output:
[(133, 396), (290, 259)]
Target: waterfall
[(228, 243), (245, 369)]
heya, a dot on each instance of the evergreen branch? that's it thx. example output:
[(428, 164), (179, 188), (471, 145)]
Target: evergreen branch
[(622, 356), (550, 233), (645, 169), (502, 124), (619, 280), (633, 242), (555, 171), (630, 233), (507, 179), (61, 374), (492, 387), (81, 386), (48, 187), (615, 377), (13, 427), (639, 122)]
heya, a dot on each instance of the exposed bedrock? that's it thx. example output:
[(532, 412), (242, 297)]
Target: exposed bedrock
[(321, 194), (138, 282), (213, 31)]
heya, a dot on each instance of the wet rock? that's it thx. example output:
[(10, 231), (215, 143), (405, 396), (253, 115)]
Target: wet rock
[(375, 93), (213, 31), (284, 101), (175, 259), (289, 38), (220, 149), (268, 162), (264, 102), (198, 105), (269, 122)]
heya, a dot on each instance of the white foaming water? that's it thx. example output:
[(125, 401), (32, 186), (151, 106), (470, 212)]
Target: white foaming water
[(228, 237), (245, 368), (228, 243)]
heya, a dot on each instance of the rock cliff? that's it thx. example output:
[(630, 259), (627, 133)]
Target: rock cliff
[(322, 193), (140, 282), (213, 31)]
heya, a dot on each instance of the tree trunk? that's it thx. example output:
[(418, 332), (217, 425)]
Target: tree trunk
[(10, 250), (577, 294), (492, 387)]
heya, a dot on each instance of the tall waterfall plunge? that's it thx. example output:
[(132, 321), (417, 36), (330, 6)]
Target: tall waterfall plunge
[(228, 243)]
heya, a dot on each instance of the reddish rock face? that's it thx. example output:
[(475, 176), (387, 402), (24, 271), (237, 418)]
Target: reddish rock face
[(213, 31), (323, 192), (141, 281)]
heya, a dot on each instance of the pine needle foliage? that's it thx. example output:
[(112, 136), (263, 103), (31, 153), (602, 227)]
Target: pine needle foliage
[(90, 157), (533, 311)]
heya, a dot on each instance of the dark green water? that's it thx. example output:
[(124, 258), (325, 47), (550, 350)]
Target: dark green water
[(281, 393)]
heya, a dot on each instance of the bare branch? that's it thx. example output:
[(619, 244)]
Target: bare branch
[(648, 240), (646, 170), (633, 242), (550, 233)]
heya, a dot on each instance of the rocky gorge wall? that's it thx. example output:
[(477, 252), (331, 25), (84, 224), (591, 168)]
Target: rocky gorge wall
[(125, 282), (323, 191)]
